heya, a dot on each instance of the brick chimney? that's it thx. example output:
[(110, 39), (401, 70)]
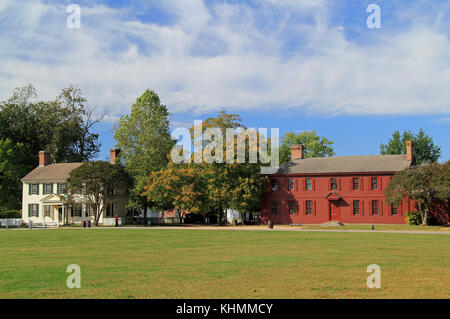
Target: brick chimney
[(44, 158), (409, 151), (113, 154), (296, 152)]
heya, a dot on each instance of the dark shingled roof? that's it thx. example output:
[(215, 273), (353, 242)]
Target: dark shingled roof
[(51, 173), (346, 164)]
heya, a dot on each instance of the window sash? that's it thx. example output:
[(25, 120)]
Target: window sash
[(292, 205), (375, 207), (34, 189), (394, 209), (374, 182), (355, 183), (291, 184), (62, 188), (47, 210), (77, 211), (308, 184), (274, 208), (333, 183), (34, 210), (48, 189), (274, 184), (309, 207), (356, 207)]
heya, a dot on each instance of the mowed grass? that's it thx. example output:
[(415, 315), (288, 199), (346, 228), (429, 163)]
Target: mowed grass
[(167, 263)]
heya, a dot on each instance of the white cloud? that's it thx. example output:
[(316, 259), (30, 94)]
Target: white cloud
[(228, 56)]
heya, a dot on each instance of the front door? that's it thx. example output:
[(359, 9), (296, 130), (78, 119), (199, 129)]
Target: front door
[(60, 214), (334, 210)]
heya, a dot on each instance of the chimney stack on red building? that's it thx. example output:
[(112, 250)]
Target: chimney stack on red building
[(409, 151), (296, 152), (113, 154), (44, 158)]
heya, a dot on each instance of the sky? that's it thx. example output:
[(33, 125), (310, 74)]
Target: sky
[(290, 64)]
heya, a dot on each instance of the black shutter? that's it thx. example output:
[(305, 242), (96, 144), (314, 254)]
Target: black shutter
[(29, 189)]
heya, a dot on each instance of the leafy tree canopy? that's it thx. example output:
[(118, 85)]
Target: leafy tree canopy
[(423, 146), (209, 187), (98, 182), (144, 140), (61, 126), (313, 145), (428, 184)]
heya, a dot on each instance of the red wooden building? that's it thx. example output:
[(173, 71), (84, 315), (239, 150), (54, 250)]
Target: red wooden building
[(348, 189)]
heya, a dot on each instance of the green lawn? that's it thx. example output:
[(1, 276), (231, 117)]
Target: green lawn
[(152, 263)]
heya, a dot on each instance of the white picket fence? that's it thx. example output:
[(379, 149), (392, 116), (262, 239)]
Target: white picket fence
[(42, 224), (11, 222)]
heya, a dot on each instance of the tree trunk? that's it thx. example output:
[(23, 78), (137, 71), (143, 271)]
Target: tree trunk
[(425, 217), (145, 214)]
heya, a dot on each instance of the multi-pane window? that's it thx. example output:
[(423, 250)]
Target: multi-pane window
[(374, 182), (394, 209), (62, 187), (33, 210), (34, 189), (356, 207), (292, 205), (375, 208), (77, 211), (110, 210), (309, 207), (355, 183), (274, 184), (308, 184), (291, 186), (334, 183), (48, 189), (47, 210), (274, 208)]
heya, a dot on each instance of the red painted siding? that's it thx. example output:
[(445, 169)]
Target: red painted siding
[(321, 187)]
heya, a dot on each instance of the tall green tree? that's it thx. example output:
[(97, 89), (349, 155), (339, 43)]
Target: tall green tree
[(210, 187), (313, 145), (12, 167), (144, 140), (428, 184), (423, 146), (99, 182), (62, 126)]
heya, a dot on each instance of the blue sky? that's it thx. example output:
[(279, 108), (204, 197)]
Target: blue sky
[(296, 65)]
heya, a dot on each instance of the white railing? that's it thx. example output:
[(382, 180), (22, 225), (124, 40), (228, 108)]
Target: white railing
[(42, 224), (11, 222)]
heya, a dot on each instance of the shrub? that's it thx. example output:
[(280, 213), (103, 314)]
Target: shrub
[(414, 218), (10, 214)]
